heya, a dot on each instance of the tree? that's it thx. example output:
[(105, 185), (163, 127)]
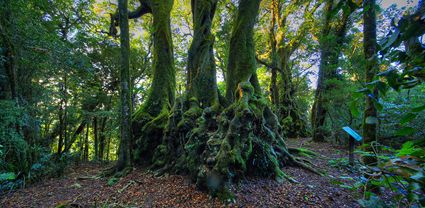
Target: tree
[(201, 73), (283, 45), (125, 156), (7, 71), (331, 38), (218, 147), (150, 119), (370, 117)]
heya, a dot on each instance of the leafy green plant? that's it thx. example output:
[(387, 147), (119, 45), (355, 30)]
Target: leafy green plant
[(401, 171), (7, 176)]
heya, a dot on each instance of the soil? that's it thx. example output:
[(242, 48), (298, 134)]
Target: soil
[(80, 187)]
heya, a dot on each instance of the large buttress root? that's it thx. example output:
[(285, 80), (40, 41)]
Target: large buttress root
[(245, 139), (217, 149)]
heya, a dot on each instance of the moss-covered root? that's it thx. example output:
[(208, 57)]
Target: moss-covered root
[(148, 132), (302, 152), (184, 117), (115, 172), (244, 144)]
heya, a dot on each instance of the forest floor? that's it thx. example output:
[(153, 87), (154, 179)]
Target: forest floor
[(80, 187)]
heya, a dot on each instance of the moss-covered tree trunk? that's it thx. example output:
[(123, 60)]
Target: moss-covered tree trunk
[(150, 121), (162, 92), (214, 148), (292, 119), (332, 38), (242, 63), (370, 118), (202, 92), (370, 52), (244, 139), (274, 89), (125, 153), (201, 81)]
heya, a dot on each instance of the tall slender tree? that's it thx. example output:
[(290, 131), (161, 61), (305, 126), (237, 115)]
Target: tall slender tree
[(370, 120)]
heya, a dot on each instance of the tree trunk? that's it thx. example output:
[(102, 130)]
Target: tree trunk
[(217, 148), (65, 113), (292, 120), (202, 91), (162, 92), (86, 144), (96, 139), (149, 121), (61, 125), (202, 83), (333, 36), (242, 63), (77, 132), (8, 76), (282, 89), (246, 137), (274, 90), (81, 148), (370, 119), (102, 138), (125, 154)]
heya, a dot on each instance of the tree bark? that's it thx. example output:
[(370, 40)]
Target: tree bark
[(61, 124), (244, 139), (125, 154), (102, 138), (86, 144), (242, 63), (201, 80), (370, 118), (274, 90), (149, 121), (95, 138), (162, 92)]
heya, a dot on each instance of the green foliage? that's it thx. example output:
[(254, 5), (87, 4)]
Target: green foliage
[(14, 151), (7, 176), (402, 172), (112, 181), (339, 162)]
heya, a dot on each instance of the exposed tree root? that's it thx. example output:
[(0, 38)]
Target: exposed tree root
[(115, 172), (302, 152), (217, 149)]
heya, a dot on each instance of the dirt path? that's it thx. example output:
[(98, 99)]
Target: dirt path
[(142, 189)]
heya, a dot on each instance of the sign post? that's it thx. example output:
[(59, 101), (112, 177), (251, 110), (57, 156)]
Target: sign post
[(354, 136)]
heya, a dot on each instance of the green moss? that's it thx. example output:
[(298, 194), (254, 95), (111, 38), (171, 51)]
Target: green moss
[(225, 195), (159, 122), (247, 87)]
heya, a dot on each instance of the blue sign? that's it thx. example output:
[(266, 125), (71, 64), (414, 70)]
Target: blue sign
[(352, 133)]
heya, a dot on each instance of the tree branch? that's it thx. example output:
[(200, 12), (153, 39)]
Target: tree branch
[(268, 65), (143, 9)]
